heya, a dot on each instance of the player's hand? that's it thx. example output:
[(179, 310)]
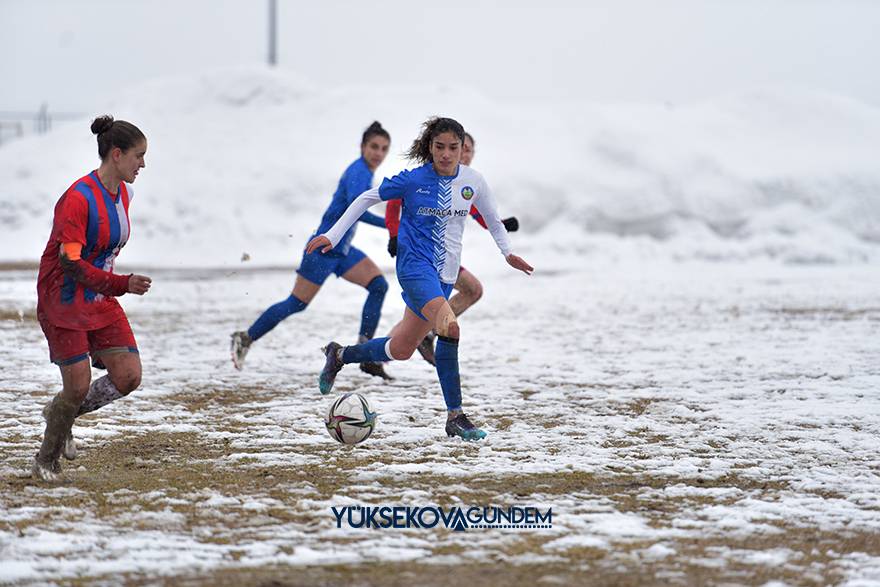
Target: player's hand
[(392, 246), (139, 284), (511, 224), (519, 263), (319, 242)]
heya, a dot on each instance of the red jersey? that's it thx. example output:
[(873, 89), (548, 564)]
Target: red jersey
[(80, 295)]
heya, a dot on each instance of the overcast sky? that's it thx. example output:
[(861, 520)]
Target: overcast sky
[(70, 53)]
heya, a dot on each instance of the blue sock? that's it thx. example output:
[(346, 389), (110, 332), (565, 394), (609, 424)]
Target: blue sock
[(275, 314), (373, 306), (372, 351), (446, 356)]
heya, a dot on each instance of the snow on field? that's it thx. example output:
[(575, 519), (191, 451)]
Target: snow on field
[(684, 421), (689, 380)]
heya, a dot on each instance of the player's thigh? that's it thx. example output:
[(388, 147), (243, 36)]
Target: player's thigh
[(363, 272), (305, 290), (313, 270), (407, 334)]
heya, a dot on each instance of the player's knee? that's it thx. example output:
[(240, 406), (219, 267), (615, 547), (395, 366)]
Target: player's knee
[(475, 291), (379, 285), (399, 350), (126, 382), (469, 287)]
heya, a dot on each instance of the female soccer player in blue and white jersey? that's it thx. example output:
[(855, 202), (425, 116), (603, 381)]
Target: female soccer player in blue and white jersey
[(468, 288), (437, 198), (344, 260)]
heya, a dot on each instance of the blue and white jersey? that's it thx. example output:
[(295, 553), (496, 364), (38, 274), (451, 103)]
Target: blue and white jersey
[(434, 212), (354, 181)]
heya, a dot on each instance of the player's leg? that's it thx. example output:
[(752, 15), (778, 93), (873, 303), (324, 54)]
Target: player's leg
[(365, 273), (416, 293), (123, 376), (112, 347), (406, 336), (311, 274), (468, 292), (69, 349), (59, 415), (441, 314), (303, 292)]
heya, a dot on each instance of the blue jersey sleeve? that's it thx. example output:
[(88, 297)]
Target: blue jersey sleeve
[(358, 181), (394, 188)]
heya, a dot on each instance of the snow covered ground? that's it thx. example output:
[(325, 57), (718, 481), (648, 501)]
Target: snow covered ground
[(686, 422), (689, 379)]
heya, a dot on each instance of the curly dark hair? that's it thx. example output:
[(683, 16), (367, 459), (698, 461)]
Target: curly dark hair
[(421, 147)]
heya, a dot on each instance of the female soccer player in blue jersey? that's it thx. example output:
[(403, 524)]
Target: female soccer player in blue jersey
[(468, 288), (343, 260), (436, 198)]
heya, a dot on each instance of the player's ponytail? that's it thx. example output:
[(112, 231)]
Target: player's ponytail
[(115, 133), (421, 148), (373, 130)]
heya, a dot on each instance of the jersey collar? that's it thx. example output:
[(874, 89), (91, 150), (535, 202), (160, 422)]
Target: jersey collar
[(434, 173)]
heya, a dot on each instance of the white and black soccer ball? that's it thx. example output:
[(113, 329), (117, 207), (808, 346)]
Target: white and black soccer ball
[(350, 419)]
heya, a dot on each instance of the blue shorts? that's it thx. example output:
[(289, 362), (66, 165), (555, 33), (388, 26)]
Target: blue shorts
[(317, 266), (418, 291)]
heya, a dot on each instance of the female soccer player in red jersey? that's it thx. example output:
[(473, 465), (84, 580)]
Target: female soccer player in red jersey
[(468, 288), (77, 291)]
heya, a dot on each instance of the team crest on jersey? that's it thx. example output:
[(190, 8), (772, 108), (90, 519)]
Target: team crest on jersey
[(467, 192)]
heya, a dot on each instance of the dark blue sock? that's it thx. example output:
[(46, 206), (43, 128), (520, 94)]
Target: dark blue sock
[(275, 314), (372, 351), (373, 306), (446, 356)]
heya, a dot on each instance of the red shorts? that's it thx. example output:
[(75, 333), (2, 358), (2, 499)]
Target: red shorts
[(70, 346)]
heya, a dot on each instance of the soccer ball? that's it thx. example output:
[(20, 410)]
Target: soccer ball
[(350, 419)]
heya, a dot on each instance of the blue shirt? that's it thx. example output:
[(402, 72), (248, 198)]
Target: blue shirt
[(356, 179), (432, 220)]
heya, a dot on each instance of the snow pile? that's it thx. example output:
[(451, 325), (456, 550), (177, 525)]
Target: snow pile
[(245, 160)]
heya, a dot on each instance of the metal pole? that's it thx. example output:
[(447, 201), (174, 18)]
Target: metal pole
[(273, 29)]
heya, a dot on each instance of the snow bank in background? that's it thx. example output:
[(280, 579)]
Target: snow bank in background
[(245, 160)]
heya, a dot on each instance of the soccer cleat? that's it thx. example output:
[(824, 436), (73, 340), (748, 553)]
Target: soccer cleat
[(462, 427), (241, 344), (50, 472), (426, 348), (69, 447), (332, 366), (376, 369)]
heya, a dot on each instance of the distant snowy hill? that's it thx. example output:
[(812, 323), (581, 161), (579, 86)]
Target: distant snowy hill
[(245, 160)]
